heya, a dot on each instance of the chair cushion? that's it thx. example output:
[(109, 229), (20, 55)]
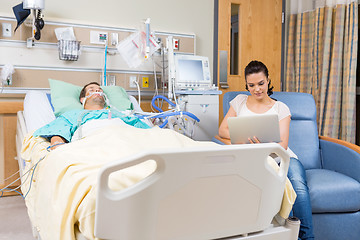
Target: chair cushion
[(335, 226), (303, 136), (332, 191), (302, 105), (304, 141)]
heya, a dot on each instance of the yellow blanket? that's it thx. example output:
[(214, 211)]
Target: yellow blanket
[(63, 188)]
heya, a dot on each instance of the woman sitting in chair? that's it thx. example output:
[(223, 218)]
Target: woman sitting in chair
[(259, 102)]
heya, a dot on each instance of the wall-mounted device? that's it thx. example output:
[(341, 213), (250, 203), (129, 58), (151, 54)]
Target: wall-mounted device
[(192, 72), (34, 4), (38, 23), (97, 37)]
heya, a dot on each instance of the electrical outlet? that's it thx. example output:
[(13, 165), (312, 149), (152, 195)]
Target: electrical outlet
[(6, 30), (8, 81), (132, 82), (29, 43), (145, 82), (114, 39), (112, 80), (97, 37), (175, 44)]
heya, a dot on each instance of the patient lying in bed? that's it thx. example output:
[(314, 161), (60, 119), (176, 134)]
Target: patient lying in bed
[(63, 190), (62, 129)]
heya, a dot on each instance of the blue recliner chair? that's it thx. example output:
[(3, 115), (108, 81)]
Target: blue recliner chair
[(332, 169)]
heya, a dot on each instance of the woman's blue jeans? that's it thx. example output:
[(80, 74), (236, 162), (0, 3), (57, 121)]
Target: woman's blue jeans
[(302, 206)]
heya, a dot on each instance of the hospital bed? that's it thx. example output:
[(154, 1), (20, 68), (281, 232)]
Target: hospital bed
[(202, 192)]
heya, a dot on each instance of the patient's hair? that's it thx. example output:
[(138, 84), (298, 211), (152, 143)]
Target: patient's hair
[(83, 90), (257, 67)]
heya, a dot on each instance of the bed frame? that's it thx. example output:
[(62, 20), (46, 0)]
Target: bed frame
[(197, 194), (205, 193)]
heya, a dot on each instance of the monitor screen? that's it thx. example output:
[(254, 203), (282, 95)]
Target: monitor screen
[(192, 72)]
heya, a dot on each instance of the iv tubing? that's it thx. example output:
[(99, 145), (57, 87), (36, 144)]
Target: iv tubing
[(164, 123), (147, 25), (177, 113), (105, 66)]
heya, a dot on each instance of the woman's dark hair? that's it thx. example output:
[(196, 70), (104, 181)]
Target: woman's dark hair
[(83, 90), (257, 67)]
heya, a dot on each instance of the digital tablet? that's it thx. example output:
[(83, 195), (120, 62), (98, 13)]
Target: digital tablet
[(264, 126)]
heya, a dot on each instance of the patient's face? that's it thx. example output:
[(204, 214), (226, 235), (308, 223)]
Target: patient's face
[(257, 84), (97, 99), (92, 88)]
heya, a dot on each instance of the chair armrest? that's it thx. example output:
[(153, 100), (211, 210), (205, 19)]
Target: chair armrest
[(220, 140), (354, 147), (340, 156)]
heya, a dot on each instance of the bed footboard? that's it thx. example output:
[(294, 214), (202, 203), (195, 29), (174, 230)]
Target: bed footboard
[(202, 193)]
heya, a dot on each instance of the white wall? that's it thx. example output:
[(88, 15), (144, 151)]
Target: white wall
[(185, 16)]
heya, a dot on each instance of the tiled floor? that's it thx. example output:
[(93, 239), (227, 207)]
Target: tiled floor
[(14, 221)]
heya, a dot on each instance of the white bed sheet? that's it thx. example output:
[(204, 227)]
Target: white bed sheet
[(65, 180)]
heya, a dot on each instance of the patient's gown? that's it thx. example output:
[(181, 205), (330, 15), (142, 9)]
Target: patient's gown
[(66, 125)]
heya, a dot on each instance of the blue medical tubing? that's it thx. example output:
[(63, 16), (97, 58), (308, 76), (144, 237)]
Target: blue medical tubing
[(11, 190), (168, 114), (164, 123), (173, 114), (32, 175), (105, 65), (176, 113), (162, 97), (147, 34)]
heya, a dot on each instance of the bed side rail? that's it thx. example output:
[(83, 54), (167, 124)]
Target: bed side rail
[(202, 193)]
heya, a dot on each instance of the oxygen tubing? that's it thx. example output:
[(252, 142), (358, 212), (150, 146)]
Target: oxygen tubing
[(164, 98), (171, 113), (175, 114)]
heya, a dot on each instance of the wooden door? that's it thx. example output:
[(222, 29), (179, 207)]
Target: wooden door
[(248, 30)]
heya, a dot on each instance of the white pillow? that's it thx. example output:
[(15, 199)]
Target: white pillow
[(37, 110), (135, 103)]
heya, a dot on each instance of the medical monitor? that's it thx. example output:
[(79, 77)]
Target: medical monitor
[(192, 72)]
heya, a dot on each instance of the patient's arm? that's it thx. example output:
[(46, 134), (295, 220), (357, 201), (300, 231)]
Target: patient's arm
[(56, 141)]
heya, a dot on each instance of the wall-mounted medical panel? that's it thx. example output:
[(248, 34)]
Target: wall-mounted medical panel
[(36, 64), (37, 78), (82, 33)]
